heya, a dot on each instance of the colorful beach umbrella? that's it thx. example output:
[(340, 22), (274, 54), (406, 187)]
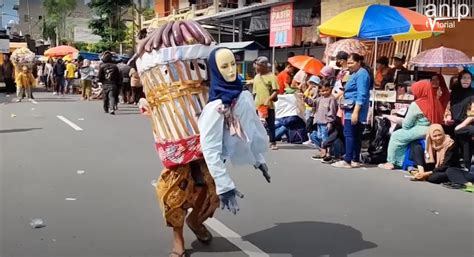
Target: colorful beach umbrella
[(60, 51), (382, 22), (308, 64), (347, 45), (441, 57)]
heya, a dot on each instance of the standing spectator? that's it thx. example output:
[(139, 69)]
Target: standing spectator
[(265, 87), (126, 87), (87, 75), (59, 70), (25, 81), (48, 73), (137, 88), (70, 76), (356, 108), (109, 76), (8, 73), (343, 75), (324, 117), (284, 78)]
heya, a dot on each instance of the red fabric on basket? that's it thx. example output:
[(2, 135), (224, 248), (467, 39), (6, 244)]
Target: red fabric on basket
[(179, 152)]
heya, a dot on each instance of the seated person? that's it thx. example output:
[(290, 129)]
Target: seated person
[(438, 156), (400, 108), (461, 176), (384, 74), (427, 109)]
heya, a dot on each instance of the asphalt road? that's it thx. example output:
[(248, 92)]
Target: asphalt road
[(310, 209)]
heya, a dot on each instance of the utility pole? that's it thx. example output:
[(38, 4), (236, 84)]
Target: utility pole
[(29, 16)]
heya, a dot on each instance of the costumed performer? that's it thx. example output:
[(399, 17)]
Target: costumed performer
[(230, 128)]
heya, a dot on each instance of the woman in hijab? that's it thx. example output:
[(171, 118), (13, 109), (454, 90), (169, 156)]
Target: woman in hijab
[(438, 156), (230, 128), (462, 97), (427, 109)]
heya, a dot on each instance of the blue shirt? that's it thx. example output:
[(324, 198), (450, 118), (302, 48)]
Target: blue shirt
[(357, 89)]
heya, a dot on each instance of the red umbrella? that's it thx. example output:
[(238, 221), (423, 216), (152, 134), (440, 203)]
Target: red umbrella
[(60, 51), (308, 64)]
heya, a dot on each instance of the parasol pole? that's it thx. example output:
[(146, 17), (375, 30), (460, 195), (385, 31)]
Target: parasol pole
[(375, 75), (273, 60)]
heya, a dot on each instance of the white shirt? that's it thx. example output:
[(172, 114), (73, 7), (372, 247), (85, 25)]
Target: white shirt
[(218, 145)]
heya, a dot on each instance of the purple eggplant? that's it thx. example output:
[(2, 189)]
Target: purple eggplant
[(157, 37), (188, 38), (194, 30), (166, 34), (149, 45), (177, 35), (203, 32)]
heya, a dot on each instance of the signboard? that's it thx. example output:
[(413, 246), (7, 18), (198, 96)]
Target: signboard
[(383, 96), (281, 25), (4, 45)]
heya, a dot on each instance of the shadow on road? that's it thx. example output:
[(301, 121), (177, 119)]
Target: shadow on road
[(18, 130), (294, 147), (299, 239)]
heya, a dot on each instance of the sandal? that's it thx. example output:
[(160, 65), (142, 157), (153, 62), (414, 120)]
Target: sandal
[(175, 254), (386, 166), (202, 233), (317, 157), (274, 147), (342, 164), (356, 165)]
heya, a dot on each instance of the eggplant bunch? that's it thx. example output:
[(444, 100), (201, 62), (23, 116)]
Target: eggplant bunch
[(175, 33)]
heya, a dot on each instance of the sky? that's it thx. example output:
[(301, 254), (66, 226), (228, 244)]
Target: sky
[(7, 11)]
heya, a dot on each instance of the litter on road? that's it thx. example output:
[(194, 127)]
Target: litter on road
[(13, 115), (80, 172), (37, 223), (71, 199)]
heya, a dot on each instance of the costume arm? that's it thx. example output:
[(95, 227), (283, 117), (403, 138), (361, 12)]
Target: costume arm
[(211, 127)]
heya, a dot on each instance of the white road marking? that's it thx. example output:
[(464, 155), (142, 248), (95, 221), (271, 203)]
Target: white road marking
[(33, 101), (247, 247), (70, 123)]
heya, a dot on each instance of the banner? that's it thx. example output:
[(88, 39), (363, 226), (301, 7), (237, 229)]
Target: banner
[(281, 25)]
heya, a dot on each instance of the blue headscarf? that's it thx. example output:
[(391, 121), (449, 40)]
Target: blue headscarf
[(220, 88)]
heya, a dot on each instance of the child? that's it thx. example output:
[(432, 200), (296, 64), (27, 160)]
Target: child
[(324, 117), (25, 81)]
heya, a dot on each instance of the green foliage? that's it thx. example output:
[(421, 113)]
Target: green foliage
[(148, 13), (55, 20), (108, 22)]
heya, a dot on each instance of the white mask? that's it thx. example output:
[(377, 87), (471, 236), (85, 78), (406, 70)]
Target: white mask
[(226, 64)]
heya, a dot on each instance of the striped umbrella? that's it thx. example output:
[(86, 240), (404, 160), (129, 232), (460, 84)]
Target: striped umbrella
[(441, 57), (347, 45), (382, 22)]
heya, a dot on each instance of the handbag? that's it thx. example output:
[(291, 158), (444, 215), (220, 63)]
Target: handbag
[(346, 104)]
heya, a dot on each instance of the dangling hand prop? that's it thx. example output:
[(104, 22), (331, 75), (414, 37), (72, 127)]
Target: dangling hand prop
[(264, 169), (229, 200)]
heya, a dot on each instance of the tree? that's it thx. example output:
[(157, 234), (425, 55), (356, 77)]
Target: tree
[(56, 13), (108, 22)]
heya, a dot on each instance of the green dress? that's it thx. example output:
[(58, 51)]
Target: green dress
[(414, 127)]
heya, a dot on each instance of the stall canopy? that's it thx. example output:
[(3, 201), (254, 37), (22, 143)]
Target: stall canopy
[(249, 49), (89, 56)]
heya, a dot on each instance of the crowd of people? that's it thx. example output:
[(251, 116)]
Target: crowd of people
[(429, 131), (103, 79)]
